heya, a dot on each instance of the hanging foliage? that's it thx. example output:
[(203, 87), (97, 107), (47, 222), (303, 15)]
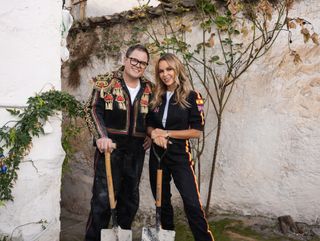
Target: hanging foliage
[(16, 140)]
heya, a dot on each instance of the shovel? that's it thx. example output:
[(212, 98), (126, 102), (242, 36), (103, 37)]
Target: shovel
[(157, 233), (116, 233)]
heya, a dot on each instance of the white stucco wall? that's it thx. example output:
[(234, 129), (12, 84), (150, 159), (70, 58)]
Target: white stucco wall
[(100, 8), (95, 8), (30, 59), (268, 163)]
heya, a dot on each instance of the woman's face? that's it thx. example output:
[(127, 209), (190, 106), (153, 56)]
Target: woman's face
[(167, 75)]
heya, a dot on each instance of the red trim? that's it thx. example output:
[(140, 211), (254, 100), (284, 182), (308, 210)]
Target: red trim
[(196, 184)]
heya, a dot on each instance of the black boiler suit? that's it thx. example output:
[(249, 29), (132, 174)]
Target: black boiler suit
[(111, 113), (177, 164)]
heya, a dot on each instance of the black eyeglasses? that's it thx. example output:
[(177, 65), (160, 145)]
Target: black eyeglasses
[(135, 62)]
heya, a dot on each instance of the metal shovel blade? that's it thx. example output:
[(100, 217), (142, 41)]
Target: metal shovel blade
[(116, 234), (152, 234)]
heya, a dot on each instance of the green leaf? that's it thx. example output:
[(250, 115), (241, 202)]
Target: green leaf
[(188, 56), (227, 41), (207, 7), (12, 135), (13, 111), (237, 32), (206, 25), (214, 58), (222, 22)]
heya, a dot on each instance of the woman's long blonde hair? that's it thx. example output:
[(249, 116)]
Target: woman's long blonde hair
[(181, 78)]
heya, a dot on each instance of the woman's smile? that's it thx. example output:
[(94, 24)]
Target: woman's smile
[(166, 74)]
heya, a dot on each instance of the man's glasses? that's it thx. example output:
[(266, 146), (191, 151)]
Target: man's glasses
[(135, 62)]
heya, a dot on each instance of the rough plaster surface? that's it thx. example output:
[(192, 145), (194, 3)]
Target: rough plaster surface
[(30, 59), (100, 8), (271, 132), (268, 162), (269, 149)]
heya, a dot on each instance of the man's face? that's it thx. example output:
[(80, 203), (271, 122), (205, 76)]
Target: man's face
[(135, 64)]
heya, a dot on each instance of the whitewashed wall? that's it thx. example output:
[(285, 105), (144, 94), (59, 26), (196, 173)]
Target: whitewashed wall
[(99, 7), (96, 8), (268, 163), (30, 59)]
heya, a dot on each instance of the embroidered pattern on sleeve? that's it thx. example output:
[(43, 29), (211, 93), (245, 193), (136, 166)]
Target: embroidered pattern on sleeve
[(89, 120), (200, 105)]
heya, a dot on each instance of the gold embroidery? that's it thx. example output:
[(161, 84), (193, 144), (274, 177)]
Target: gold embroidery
[(103, 83), (88, 119)]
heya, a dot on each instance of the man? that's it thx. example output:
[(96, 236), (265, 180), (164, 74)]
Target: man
[(115, 113)]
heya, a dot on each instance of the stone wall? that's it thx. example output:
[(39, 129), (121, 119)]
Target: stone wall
[(268, 159), (30, 62)]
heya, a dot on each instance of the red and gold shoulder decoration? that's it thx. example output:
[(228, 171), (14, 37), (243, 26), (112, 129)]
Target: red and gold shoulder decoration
[(103, 83)]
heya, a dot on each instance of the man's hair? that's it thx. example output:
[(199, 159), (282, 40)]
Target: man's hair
[(139, 47)]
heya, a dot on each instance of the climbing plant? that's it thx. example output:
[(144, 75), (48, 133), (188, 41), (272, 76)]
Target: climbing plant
[(16, 135)]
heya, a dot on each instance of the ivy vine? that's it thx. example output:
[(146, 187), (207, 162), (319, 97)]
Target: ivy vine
[(16, 139)]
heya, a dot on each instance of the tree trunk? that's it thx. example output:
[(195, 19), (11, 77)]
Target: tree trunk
[(213, 163)]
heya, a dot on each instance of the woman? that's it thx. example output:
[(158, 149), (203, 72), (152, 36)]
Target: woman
[(176, 116)]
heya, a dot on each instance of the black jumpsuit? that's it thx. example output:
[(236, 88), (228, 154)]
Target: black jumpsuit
[(109, 113), (177, 164)]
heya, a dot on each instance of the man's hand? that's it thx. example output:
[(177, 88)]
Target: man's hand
[(105, 144), (147, 143)]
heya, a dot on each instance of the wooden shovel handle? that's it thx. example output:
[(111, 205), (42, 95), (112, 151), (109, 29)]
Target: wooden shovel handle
[(159, 188), (109, 180)]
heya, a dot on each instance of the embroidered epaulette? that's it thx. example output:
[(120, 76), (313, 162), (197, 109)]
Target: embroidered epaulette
[(102, 82)]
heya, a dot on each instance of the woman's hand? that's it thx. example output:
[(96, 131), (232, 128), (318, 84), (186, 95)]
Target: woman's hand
[(161, 141), (160, 137), (158, 133)]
